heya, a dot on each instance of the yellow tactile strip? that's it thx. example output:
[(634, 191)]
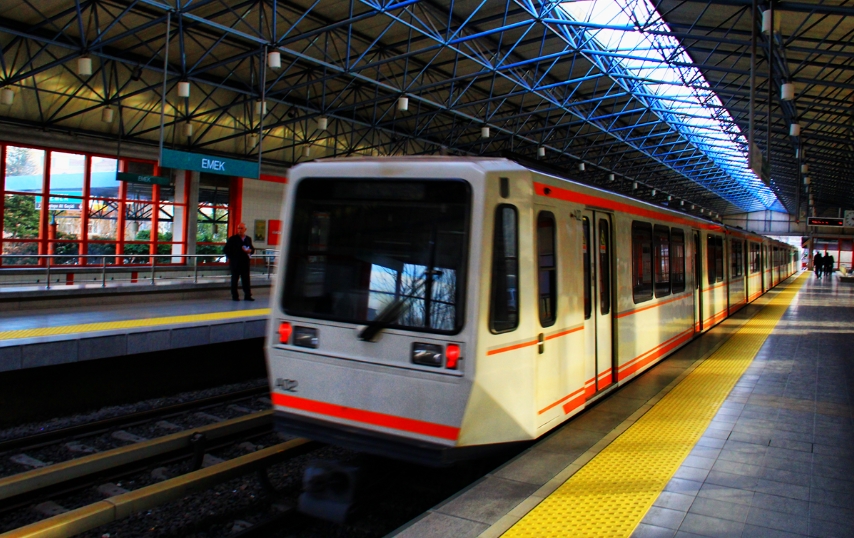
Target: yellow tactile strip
[(130, 324), (610, 495)]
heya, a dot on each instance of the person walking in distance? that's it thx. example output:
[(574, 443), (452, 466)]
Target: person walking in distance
[(238, 249), (817, 264), (828, 264)]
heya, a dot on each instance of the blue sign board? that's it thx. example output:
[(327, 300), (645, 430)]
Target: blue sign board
[(197, 162)]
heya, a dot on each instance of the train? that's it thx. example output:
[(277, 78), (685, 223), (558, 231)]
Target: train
[(431, 308)]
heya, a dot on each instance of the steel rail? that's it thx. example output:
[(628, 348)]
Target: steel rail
[(124, 420), (121, 506), (52, 475)]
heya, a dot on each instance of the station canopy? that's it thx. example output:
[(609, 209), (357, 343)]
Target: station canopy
[(648, 98)]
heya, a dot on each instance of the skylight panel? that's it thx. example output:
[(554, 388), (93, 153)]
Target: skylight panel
[(658, 70)]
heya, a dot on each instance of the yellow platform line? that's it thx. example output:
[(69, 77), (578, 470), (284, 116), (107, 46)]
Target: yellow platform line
[(130, 324), (610, 495)]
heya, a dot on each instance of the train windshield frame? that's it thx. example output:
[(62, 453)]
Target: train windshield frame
[(365, 250)]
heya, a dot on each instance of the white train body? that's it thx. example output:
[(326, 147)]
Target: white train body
[(597, 289)]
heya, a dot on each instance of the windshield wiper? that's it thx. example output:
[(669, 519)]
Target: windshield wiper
[(396, 308)]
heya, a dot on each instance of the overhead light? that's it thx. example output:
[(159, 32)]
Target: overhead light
[(805, 168), (403, 104), (611, 177), (581, 167), (669, 198), (274, 59), (7, 96), (541, 152), (322, 123), (107, 115), (635, 185), (253, 138), (261, 107), (682, 202), (306, 151), (807, 180), (766, 22), (484, 132), (795, 129), (84, 66), (787, 91), (188, 129), (693, 207), (183, 89), (653, 193)]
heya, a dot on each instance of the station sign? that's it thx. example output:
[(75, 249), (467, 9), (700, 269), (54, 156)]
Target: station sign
[(140, 178), (60, 203), (197, 162), (824, 221)]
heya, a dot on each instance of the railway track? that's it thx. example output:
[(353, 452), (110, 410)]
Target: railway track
[(27, 488), (126, 420)]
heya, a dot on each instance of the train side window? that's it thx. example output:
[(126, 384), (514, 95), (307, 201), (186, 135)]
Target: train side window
[(719, 259), (754, 257), (641, 261), (661, 248), (585, 252), (546, 265), (504, 308), (677, 260), (736, 262), (604, 267), (710, 258)]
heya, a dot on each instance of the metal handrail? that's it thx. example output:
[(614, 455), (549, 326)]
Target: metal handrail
[(269, 262)]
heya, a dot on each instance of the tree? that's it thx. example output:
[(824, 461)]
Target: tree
[(19, 162), (21, 219)]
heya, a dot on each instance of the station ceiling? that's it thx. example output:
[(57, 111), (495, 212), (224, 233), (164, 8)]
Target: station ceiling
[(549, 80)]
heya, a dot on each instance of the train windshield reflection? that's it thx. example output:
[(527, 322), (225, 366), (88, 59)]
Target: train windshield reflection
[(363, 248)]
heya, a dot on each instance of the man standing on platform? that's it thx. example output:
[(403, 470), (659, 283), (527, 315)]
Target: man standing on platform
[(238, 250), (817, 264)]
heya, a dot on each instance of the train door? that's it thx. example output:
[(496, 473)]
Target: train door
[(598, 321), (698, 284), (549, 389)]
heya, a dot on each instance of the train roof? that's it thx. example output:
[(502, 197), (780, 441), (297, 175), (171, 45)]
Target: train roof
[(502, 163)]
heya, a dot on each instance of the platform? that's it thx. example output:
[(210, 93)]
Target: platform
[(747, 431), (137, 323)]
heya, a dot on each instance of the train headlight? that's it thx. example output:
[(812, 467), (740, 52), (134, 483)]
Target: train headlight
[(427, 354), (305, 337), (284, 332)]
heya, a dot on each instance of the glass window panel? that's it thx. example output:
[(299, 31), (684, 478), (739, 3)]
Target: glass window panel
[(547, 280), (504, 311), (585, 253), (662, 261), (65, 212), (105, 248), (212, 225), (66, 173), (165, 220), (18, 251), (138, 191), (642, 261), (136, 253), (604, 267), (103, 182), (103, 219), (24, 169), (21, 216), (677, 246), (138, 221), (66, 252)]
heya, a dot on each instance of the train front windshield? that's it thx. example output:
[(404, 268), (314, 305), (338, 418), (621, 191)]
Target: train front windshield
[(389, 252)]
